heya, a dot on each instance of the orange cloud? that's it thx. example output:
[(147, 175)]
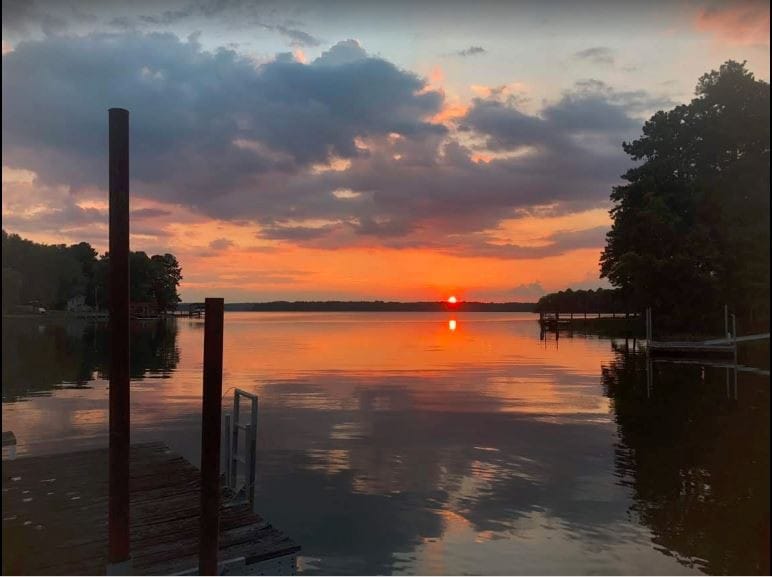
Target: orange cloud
[(737, 23), (436, 76), (434, 81), (449, 112)]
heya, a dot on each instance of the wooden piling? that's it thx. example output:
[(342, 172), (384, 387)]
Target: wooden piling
[(118, 508), (210, 436)]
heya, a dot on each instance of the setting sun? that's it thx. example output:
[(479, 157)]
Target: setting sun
[(452, 300)]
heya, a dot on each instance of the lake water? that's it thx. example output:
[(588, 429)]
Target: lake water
[(421, 443)]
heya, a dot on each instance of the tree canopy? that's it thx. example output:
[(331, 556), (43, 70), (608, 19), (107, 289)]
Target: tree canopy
[(50, 275), (691, 226)]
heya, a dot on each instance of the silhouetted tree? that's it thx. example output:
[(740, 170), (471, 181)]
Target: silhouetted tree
[(165, 277), (691, 227)]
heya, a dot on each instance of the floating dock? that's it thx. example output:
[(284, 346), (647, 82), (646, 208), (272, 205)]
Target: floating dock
[(55, 518)]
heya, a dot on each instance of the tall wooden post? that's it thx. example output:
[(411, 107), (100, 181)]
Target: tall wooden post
[(118, 507), (210, 437)]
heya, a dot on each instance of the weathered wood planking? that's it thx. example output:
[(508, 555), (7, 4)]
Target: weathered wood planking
[(55, 516)]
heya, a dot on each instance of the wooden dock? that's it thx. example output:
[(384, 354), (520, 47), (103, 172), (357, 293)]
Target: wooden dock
[(701, 348), (55, 518), (196, 310), (725, 346), (553, 321)]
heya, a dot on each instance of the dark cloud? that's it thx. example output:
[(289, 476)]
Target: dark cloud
[(296, 233), (208, 122), (236, 14), (636, 102), (596, 55), (471, 51), (221, 244), (168, 17), (556, 244), (577, 113), (221, 135), (25, 18), (298, 37), (533, 289), (66, 217), (592, 107), (149, 213), (344, 52)]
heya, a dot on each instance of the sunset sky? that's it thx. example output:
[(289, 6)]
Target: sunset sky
[(350, 150)]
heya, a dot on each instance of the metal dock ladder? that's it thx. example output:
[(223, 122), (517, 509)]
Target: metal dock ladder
[(235, 454)]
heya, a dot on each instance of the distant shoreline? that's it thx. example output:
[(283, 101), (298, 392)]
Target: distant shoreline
[(374, 306)]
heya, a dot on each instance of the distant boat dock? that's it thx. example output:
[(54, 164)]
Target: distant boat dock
[(196, 310), (553, 321)]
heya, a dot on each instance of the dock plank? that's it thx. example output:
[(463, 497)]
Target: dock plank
[(55, 515)]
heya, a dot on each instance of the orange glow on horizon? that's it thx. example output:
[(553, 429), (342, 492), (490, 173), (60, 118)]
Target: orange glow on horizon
[(230, 259)]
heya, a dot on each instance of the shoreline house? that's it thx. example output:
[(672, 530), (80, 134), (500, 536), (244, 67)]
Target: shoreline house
[(144, 310)]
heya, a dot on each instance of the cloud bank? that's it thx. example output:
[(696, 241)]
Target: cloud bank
[(341, 151)]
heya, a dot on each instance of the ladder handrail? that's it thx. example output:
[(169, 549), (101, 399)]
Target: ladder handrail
[(233, 424)]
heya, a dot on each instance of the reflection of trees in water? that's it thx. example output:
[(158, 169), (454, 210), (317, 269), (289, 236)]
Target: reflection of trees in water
[(154, 348), (41, 356), (696, 459)]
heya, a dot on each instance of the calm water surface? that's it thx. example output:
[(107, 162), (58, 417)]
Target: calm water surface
[(406, 443)]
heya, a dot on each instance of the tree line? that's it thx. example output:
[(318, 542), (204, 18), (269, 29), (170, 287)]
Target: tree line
[(51, 275), (690, 228), (584, 301)]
